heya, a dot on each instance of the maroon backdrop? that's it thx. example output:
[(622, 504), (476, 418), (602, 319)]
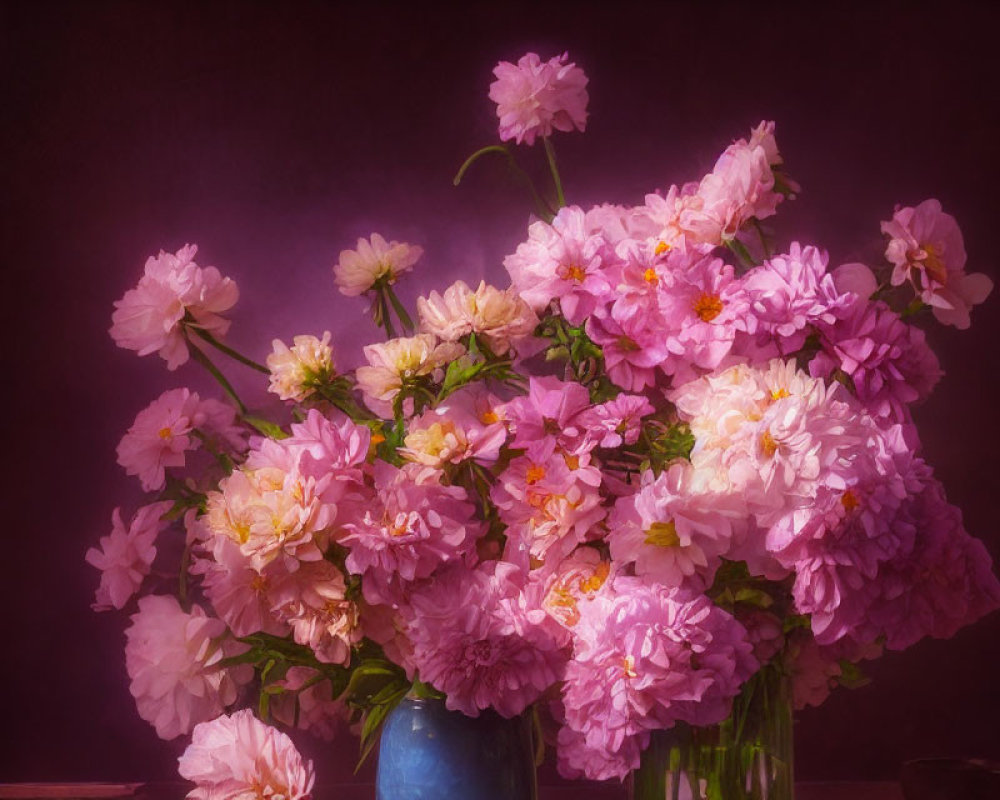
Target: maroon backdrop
[(274, 136)]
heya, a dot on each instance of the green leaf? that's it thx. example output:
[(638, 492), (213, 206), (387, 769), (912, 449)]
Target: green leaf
[(265, 426), (851, 675)]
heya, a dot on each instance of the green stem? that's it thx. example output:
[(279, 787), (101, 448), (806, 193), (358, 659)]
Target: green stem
[(763, 239), (228, 350), (404, 318), (182, 587), (227, 387), (543, 209), (550, 154), (741, 252), (493, 148)]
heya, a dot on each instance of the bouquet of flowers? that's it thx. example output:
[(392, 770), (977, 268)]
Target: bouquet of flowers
[(675, 453)]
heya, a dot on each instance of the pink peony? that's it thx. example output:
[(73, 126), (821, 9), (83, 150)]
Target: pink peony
[(298, 371), (172, 658), (534, 97), (164, 430), (616, 422), (577, 578), (455, 431), (238, 757), (126, 555), (473, 641), (414, 524), (173, 292), (926, 248), (375, 260)]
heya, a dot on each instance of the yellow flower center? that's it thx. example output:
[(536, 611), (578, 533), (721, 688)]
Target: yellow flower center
[(534, 474), (662, 534), (650, 276), (489, 417), (166, 433), (777, 394), (595, 581), (572, 272), (768, 445), (661, 248), (934, 265), (708, 306), (628, 667)]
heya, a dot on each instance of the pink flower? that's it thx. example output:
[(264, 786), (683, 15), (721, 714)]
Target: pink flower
[(173, 292), (564, 261), (239, 757), (164, 430), (577, 578), (633, 344), (814, 671), (297, 371), (672, 532), (856, 279), (413, 525), (375, 260), (617, 421), (172, 658), (534, 97), (312, 695), (550, 408), (473, 641), (454, 431), (500, 317), (926, 248), (126, 556)]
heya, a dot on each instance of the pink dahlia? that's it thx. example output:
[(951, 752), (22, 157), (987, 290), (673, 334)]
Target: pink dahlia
[(889, 362), (616, 422), (455, 431), (577, 578), (567, 261), (172, 658), (374, 261), (535, 97), (413, 525), (671, 532), (926, 248), (632, 340), (473, 641), (126, 555), (239, 757), (550, 409), (173, 292), (298, 371)]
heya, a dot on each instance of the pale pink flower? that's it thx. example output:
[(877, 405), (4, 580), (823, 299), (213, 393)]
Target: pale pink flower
[(535, 97), (926, 248), (238, 757), (375, 261), (126, 555), (577, 578), (297, 371), (633, 344), (500, 317), (172, 658), (392, 363), (164, 431), (173, 292), (856, 279), (671, 532), (313, 602), (454, 431)]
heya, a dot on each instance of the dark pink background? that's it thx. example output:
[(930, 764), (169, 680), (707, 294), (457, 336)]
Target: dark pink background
[(274, 135)]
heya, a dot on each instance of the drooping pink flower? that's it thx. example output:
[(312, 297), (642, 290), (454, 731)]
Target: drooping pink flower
[(888, 361), (671, 532), (297, 371), (473, 641), (500, 317), (126, 555), (413, 525), (392, 363), (535, 97), (173, 292), (814, 671), (374, 260), (309, 694), (165, 430), (172, 658), (567, 261), (926, 248), (238, 757)]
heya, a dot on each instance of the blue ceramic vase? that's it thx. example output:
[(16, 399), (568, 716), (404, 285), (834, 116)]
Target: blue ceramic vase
[(430, 753)]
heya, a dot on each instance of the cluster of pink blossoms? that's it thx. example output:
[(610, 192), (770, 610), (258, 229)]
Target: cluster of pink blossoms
[(674, 452)]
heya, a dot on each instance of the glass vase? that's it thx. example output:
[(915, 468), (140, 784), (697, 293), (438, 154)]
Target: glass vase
[(746, 757), (427, 752)]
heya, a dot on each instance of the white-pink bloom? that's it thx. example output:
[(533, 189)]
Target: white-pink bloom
[(173, 292), (126, 555), (397, 360), (238, 757), (535, 97), (926, 248), (172, 658), (501, 317), (297, 371), (454, 431), (374, 261)]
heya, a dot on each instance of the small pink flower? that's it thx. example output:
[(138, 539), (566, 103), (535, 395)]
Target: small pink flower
[(126, 555), (238, 757), (318, 711), (926, 248), (375, 260), (617, 421), (172, 658), (297, 371), (173, 292), (164, 431), (534, 97), (455, 431)]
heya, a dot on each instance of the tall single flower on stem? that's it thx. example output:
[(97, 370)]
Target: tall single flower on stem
[(374, 267)]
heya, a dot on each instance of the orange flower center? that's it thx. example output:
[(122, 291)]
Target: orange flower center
[(768, 445), (572, 272), (650, 276), (708, 306), (850, 500), (535, 473)]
